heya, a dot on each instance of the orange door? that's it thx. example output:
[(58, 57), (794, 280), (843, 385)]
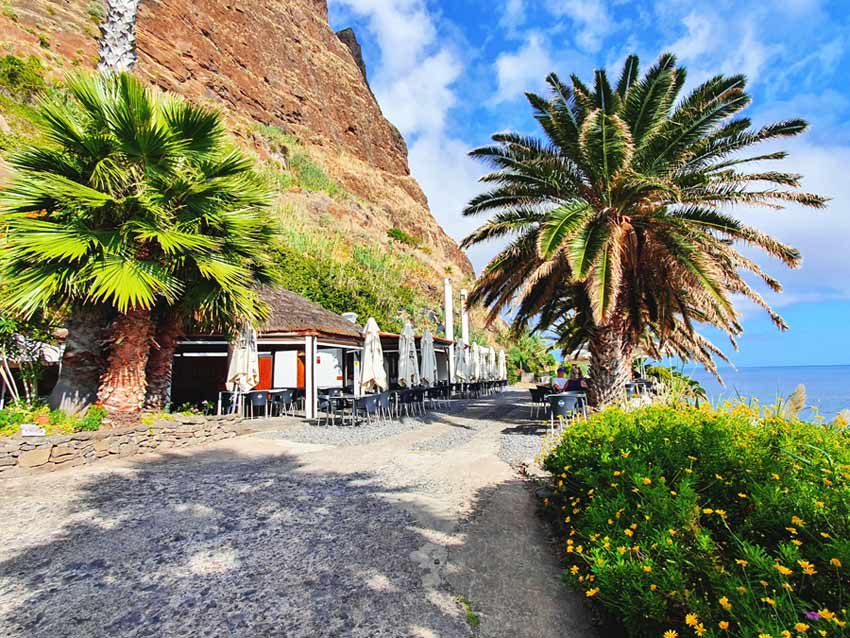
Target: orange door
[(300, 379), (265, 373)]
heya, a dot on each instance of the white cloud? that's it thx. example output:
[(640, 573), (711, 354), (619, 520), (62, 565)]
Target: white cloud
[(513, 15), (591, 16), (522, 70)]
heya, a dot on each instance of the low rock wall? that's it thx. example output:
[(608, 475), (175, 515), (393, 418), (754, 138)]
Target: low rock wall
[(25, 455)]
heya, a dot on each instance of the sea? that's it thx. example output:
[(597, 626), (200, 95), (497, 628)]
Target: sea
[(827, 387)]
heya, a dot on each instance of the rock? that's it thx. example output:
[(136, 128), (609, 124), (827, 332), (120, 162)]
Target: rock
[(34, 458), (5, 129), (102, 445), (6, 461), (62, 452), (83, 436)]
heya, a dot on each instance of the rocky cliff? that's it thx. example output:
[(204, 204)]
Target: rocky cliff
[(268, 62)]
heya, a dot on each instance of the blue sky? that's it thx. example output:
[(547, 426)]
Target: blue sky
[(450, 73)]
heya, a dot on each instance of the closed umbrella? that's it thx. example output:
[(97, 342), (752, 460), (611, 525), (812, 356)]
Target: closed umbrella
[(503, 366), (408, 362), (428, 367), (373, 374), (461, 373), (243, 371), (475, 365), (492, 367)]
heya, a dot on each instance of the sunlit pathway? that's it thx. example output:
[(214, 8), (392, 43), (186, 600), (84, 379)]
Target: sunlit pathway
[(265, 536)]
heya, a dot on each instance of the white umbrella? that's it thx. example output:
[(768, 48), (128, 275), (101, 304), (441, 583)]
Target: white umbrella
[(475, 363), (428, 367), (243, 372), (492, 366), (461, 373), (408, 362), (373, 374), (503, 366)]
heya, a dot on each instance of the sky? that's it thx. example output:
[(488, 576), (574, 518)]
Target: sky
[(450, 73)]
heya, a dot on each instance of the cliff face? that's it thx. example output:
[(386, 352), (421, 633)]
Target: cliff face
[(269, 62)]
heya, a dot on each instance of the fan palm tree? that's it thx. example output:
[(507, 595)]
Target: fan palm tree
[(138, 203), (620, 217)]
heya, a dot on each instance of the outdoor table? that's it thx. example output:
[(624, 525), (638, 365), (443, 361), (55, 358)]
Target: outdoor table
[(582, 396)]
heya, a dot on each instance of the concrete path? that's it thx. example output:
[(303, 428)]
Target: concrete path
[(263, 536)]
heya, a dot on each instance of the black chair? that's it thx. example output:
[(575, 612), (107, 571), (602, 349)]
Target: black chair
[(282, 402), (419, 399), (562, 407), (258, 400), (406, 400), (368, 406), (385, 408), (326, 407), (538, 398)]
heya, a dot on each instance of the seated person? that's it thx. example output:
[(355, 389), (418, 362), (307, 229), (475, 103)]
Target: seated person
[(577, 382), (559, 383)]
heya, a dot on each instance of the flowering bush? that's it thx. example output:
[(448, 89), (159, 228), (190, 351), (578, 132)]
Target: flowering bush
[(700, 522)]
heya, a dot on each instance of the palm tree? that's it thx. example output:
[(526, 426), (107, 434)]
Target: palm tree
[(138, 203), (117, 45), (620, 217)]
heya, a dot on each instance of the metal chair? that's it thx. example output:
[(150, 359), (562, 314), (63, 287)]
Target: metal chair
[(368, 405), (562, 407), (538, 397), (258, 399), (406, 400), (282, 401), (385, 408)]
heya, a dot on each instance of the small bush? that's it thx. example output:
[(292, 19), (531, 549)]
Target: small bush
[(96, 11), (696, 521), (22, 78), (92, 420), (403, 237)]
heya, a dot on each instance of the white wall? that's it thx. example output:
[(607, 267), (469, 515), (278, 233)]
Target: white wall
[(329, 368), (285, 373)]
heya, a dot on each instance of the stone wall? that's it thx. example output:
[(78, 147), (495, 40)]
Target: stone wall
[(26, 455)]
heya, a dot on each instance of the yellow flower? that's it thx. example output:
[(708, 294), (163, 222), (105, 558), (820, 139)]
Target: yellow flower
[(765, 635), (796, 542), (671, 633), (808, 568), (625, 454), (628, 532), (819, 504), (782, 570), (791, 531), (653, 587), (590, 593), (621, 550), (801, 627), (742, 495), (707, 510), (720, 513), (774, 476), (787, 586), (799, 522), (785, 633), (723, 624), (825, 535), (691, 620), (617, 473), (699, 630), (647, 569), (767, 600), (835, 562), (647, 480), (724, 602), (741, 562)]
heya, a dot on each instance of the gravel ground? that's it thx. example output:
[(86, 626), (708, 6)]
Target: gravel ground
[(213, 545), (516, 448), (342, 435), (454, 436)]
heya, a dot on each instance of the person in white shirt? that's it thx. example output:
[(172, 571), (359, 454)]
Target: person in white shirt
[(559, 383)]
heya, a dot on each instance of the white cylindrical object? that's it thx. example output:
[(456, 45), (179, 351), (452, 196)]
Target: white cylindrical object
[(450, 325), (464, 317)]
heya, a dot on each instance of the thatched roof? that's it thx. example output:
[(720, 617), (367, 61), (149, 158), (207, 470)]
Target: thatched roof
[(290, 313)]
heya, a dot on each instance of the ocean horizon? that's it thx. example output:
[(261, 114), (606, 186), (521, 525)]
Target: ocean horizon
[(827, 386)]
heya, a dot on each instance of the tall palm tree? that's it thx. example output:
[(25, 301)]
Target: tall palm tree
[(620, 217), (138, 202)]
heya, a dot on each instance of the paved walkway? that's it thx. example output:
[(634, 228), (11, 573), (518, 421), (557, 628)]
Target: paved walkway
[(264, 536)]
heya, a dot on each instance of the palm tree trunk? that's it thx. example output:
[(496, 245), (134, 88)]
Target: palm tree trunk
[(118, 36), (160, 363), (123, 384), (82, 360), (610, 364)]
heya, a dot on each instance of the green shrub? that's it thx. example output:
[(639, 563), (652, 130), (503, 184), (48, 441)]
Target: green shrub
[(22, 78), (92, 420), (96, 11), (403, 237), (696, 521)]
